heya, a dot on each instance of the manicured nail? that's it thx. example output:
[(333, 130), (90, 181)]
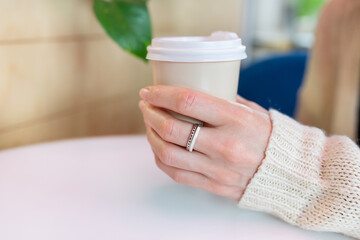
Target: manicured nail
[(144, 93)]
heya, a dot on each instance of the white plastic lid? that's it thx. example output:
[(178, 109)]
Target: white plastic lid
[(218, 47)]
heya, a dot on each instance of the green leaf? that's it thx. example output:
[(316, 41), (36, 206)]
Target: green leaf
[(127, 22), (309, 7)]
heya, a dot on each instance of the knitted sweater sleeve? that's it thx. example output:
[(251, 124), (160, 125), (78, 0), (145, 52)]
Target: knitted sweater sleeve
[(308, 179)]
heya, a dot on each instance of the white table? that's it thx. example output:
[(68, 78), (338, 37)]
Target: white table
[(110, 188)]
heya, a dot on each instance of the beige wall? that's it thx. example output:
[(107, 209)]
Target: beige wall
[(62, 77)]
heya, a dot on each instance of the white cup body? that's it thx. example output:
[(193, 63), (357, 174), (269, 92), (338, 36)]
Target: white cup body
[(219, 79)]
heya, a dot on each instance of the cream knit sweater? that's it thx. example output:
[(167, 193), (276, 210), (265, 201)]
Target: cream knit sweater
[(308, 179)]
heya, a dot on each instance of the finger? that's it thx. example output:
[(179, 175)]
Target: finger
[(188, 102), (250, 104), (178, 157), (199, 181), (174, 156), (173, 130)]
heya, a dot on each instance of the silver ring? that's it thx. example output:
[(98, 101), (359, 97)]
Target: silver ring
[(192, 137)]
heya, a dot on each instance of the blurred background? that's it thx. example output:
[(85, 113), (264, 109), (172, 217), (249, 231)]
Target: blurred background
[(61, 77)]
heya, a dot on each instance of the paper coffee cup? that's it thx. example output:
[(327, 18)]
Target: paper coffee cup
[(207, 64)]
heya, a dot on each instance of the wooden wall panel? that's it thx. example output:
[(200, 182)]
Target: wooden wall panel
[(38, 19), (76, 89), (116, 115), (200, 17), (63, 75)]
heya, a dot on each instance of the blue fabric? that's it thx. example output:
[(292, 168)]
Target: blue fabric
[(274, 82)]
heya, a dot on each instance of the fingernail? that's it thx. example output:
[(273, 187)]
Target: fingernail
[(144, 93), (141, 105)]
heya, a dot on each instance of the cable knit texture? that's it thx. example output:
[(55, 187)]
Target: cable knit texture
[(308, 179)]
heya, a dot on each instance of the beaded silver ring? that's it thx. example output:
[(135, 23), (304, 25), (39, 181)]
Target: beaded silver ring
[(192, 137)]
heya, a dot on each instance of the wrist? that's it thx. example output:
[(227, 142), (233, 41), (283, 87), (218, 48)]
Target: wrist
[(287, 175)]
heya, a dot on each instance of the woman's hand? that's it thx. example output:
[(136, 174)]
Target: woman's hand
[(229, 149)]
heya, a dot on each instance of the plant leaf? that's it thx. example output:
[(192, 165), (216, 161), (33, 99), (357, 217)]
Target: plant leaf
[(127, 22), (309, 7)]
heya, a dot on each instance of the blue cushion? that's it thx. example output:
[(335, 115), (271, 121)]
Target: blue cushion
[(274, 82)]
